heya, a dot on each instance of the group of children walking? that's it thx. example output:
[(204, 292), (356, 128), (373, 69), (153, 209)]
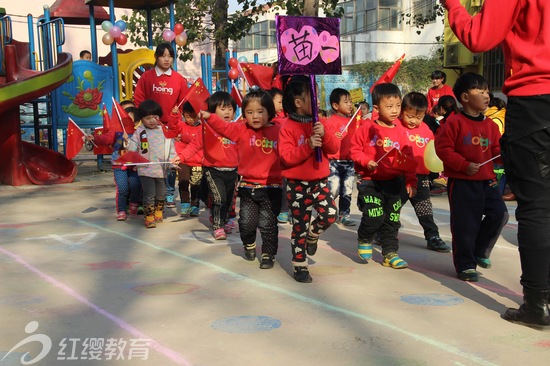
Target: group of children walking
[(270, 157)]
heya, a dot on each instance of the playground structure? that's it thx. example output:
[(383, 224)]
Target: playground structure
[(54, 79)]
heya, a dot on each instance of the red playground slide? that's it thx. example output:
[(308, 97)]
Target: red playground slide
[(22, 162)]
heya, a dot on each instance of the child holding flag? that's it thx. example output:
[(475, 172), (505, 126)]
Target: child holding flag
[(307, 185), (150, 142), (381, 177), (259, 166), (467, 144), (342, 174), (413, 110)]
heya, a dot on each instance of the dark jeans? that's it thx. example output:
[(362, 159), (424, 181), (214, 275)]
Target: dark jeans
[(259, 208), (380, 203), (527, 165), (154, 190), (170, 182)]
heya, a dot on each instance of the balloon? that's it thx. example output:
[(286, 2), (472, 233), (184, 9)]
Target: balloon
[(233, 73), (168, 35), (107, 39), (115, 31), (178, 28), (121, 24), (233, 62), (106, 25), (243, 59), (122, 39), (181, 40), (431, 160)]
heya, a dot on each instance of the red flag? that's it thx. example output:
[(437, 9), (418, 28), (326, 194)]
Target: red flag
[(119, 118), (258, 75), (236, 94), (402, 161), (197, 96), (75, 140), (213, 149), (101, 149), (388, 76), (131, 157)]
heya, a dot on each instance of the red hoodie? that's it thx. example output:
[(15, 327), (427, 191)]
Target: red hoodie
[(337, 124), (418, 138), (372, 142), (522, 28), (259, 161), (462, 140), (297, 158), (188, 134)]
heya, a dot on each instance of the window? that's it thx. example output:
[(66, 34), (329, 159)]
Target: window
[(371, 15), (424, 9)]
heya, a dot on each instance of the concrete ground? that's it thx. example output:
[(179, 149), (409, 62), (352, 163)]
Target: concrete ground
[(79, 288)]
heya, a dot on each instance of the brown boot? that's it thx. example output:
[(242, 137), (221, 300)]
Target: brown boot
[(159, 209), (149, 216)]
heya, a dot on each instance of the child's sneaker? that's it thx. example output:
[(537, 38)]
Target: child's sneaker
[(121, 216), (267, 261), (185, 210), (229, 226), (159, 216), (483, 262), (301, 274), (250, 252), (437, 244), (347, 221), (170, 202), (140, 210), (365, 251), (219, 234), (133, 210), (194, 211), (311, 243), (394, 261), (283, 217), (469, 275)]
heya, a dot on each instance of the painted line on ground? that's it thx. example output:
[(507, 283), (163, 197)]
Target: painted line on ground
[(169, 353), (308, 300)]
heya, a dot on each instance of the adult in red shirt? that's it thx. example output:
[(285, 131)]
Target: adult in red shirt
[(522, 29), (166, 87), (439, 89)]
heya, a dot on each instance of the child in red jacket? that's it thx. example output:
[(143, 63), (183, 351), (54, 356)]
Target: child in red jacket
[(307, 186), (466, 143), (379, 197), (260, 190)]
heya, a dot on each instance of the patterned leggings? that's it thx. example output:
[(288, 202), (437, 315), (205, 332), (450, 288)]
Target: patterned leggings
[(127, 184), (259, 208), (303, 197)]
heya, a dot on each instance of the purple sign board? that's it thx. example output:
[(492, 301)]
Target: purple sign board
[(308, 45)]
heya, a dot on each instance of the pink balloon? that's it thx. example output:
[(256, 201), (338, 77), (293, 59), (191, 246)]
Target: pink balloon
[(107, 39), (168, 35), (115, 31), (233, 73), (122, 39), (233, 62), (178, 28)]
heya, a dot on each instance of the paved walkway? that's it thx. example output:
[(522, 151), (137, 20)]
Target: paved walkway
[(79, 286)]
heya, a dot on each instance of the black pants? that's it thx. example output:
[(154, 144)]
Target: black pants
[(221, 186), (422, 205), (189, 184), (527, 165), (259, 208), (380, 203), (478, 215)]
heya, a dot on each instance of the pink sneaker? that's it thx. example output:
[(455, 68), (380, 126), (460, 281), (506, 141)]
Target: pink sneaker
[(121, 216), (219, 234), (133, 209)]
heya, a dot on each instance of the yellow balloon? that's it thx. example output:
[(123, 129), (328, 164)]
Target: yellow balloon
[(431, 160)]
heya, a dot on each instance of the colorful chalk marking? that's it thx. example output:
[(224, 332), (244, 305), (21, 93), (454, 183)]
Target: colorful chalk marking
[(246, 324), (432, 300)]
